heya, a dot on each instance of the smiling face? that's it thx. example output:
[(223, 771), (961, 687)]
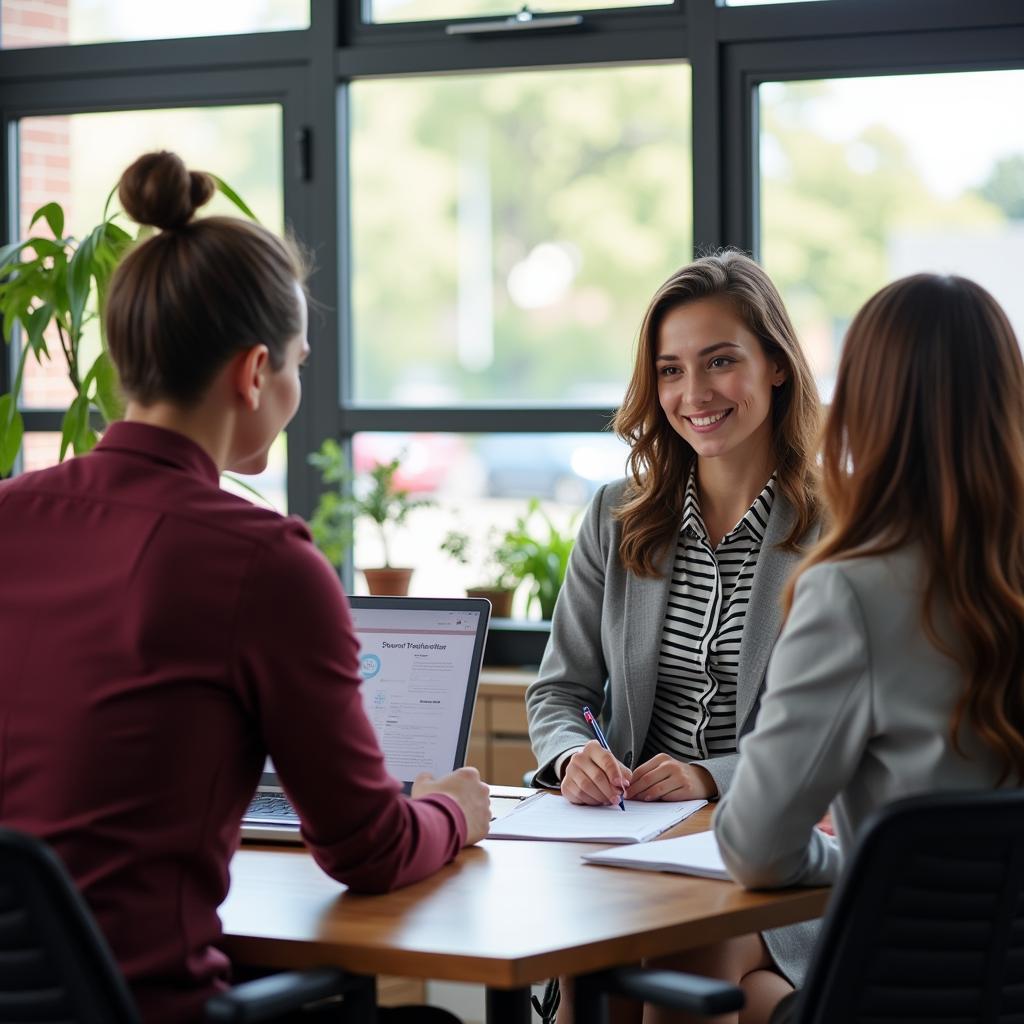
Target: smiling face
[(715, 381)]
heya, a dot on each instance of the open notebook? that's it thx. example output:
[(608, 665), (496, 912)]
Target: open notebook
[(550, 816), (695, 854)]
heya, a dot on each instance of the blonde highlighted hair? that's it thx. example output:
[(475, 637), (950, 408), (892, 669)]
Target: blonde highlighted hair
[(660, 460)]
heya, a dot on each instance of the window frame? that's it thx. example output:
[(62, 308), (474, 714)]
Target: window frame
[(731, 51)]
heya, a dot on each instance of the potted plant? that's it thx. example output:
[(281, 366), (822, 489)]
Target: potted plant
[(533, 550), (54, 288), (539, 553), (375, 497), (499, 571)]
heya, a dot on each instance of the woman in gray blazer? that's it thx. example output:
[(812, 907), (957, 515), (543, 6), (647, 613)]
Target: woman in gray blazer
[(671, 603), (901, 666)]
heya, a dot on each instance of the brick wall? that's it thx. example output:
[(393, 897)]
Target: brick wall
[(33, 23), (44, 173)]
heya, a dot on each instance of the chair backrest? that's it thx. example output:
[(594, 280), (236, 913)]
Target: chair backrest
[(927, 924), (55, 966)]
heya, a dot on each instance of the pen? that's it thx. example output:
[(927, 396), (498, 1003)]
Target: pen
[(588, 715)]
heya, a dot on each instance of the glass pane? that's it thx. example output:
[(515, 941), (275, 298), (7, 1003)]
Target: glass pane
[(439, 10), (57, 22), (865, 180), (76, 160), (479, 484), (508, 230), (41, 449)]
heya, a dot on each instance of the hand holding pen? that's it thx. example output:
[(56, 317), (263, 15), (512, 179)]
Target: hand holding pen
[(593, 773)]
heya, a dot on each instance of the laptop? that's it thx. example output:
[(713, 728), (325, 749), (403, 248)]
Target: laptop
[(420, 660)]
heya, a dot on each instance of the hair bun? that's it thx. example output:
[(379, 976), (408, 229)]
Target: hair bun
[(159, 190)]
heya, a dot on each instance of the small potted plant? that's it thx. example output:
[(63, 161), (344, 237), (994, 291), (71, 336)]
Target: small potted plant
[(498, 573), (533, 550), (539, 553), (375, 497)]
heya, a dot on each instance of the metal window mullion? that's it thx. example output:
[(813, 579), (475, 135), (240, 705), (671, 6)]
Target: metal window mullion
[(819, 21), (670, 43), (475, 419), (154, 56)]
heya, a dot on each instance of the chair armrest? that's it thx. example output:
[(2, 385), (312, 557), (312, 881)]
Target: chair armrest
[(277, 994), (688, 992)]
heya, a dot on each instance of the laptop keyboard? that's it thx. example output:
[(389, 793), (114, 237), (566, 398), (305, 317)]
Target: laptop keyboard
[(271, 807)]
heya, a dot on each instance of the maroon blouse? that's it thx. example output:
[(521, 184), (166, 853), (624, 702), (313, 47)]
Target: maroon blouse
[(158, 638)]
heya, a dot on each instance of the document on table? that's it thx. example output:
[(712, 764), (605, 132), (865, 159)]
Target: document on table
[(550, 816), (696, 854)]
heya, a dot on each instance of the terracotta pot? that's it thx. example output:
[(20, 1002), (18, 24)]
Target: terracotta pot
[(388, 581), (500, 598)]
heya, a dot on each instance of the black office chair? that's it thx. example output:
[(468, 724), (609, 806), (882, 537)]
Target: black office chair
[(926, 925), (56, 967)]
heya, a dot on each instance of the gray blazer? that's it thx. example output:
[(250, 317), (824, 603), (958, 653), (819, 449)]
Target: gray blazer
[(605, 636), (856, 713)]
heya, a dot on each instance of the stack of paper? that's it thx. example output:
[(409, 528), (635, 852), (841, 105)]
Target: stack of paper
[(695, 854), (550, 816)]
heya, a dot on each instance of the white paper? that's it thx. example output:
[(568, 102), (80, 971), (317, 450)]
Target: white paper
[(550, 816), (695, 854)]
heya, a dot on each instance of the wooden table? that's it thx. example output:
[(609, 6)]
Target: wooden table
[(504, 914)]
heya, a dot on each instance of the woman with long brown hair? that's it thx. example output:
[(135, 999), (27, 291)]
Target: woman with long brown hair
[(901, 666), (671, 603)]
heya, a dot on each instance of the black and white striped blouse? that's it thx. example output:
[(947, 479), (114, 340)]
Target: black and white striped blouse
[(694, 714)]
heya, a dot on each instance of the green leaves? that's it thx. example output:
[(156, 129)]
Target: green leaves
[(107, 395), (539, 555), (228, 192), (75, 431), (53, 215), (57, 286), (12, 429), (374, 497)]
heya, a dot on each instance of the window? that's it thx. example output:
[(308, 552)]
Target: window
[(508, 229), (57, 22), (861, 184), (76, 160), (479, 484), (509, 202)]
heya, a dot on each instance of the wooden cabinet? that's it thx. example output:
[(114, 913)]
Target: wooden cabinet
[(499, 745)]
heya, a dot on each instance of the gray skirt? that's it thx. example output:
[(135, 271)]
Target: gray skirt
[(791, 947)]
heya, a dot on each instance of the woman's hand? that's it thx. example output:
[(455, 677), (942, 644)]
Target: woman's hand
[(665, 778), (593, 776)]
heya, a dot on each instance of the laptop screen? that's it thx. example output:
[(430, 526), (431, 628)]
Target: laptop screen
[(419, 670), (420, 662)]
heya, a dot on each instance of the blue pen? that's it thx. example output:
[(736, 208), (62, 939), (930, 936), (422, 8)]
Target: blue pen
[(592, 721)]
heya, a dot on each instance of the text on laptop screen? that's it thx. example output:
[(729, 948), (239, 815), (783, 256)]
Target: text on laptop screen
[(415, 665)]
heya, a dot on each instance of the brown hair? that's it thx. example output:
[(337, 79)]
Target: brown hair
[(185, 300), (660, 460), (924, 444)]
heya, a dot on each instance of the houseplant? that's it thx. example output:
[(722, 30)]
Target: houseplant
[(54, 290), (347, 498), (540, 554), (533, 550), (499, 573)]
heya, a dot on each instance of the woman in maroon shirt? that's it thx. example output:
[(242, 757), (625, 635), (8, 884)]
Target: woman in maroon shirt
[(161, 637)]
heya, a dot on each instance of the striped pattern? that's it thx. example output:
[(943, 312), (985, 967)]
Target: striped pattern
[(694, 713)]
